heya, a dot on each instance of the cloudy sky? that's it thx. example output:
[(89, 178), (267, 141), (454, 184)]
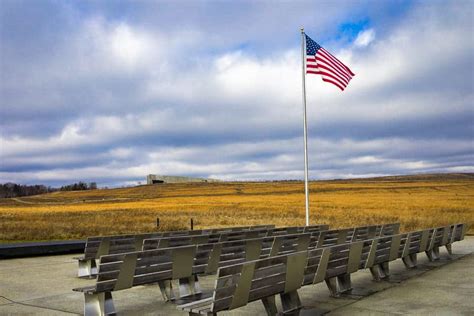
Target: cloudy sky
[(110, 91)]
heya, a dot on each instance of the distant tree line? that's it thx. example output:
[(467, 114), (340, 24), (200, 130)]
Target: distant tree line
[(79, 186), (9, 190)]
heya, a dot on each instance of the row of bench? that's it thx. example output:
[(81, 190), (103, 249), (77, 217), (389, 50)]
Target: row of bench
[(99, 246), (243, 264), (103, 245), (283, 275), (210, 256)]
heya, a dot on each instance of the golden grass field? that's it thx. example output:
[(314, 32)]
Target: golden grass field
[(415, 201)]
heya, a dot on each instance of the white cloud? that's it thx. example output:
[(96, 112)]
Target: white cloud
[(140, 99), (364, 38), (129, 46)]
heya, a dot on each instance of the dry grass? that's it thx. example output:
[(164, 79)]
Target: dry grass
[(415, 202)]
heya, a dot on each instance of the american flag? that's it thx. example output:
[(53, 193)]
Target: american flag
[(320, 62)]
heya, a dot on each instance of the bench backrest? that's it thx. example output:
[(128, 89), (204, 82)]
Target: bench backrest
[(121, 271), (99, 246), (389, 229), (414, 242), (344, 259), (154, 243), (382, 249), (458, 232), (315, 228), (117, 272), (166, 242), (344, 235), (213, 255), (438, 236), (162, 242), (103, 245), (240, 284), (366, 232), (296, 230), (337, 260), (209, 257), (236, 228), (328, 262)]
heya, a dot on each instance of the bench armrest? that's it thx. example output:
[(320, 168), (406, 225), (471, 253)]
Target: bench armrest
[(86, 289), (207, 302)]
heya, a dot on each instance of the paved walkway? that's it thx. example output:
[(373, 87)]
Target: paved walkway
[(42, 286)]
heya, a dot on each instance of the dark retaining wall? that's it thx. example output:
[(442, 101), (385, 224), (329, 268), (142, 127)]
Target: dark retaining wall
[(45, 248)]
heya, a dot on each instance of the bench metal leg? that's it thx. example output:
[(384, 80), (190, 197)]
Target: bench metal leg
[(87, 268), (166, 288), (332, 286), (380, 271), (436, 253), (189, 286), (433, 254), (429, 254), (449, 249), (410, 261), (98, 304), (270, 305), (344, 283), (290, 303)]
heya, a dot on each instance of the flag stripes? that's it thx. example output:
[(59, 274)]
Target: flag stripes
[(320, 62)]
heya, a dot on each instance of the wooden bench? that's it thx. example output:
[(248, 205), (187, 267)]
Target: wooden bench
[(209, 257), (411, 244), (429, 241), (375, 254), (103, 245), (335, 264), (444, 236), (262, 279), (239, 284), (382, 251), (123, 271), (407, 246)]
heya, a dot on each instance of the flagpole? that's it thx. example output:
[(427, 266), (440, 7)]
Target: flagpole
[(303, 60)]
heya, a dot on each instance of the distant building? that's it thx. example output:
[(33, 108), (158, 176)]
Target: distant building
[(156, 179)]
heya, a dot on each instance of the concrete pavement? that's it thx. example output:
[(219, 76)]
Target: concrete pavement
[(43, 286)]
